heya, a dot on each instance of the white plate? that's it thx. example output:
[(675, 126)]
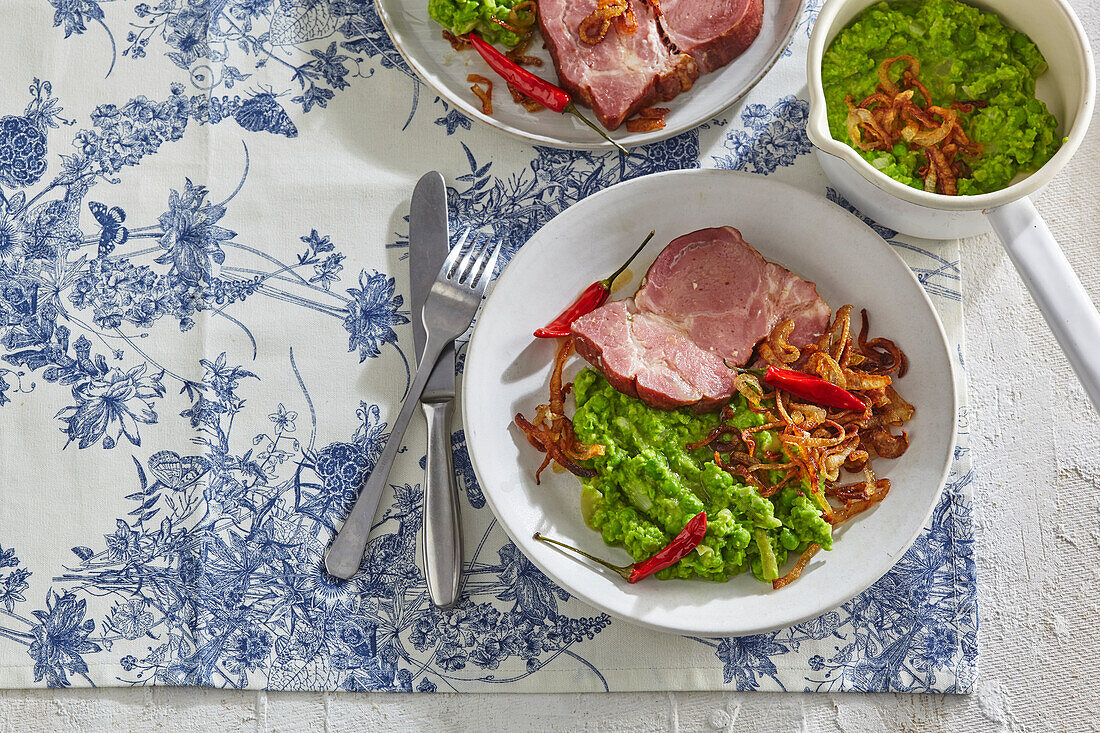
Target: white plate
[(420, 41), (507, 372)]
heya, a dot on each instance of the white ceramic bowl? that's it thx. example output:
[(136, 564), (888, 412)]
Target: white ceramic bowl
[(1069, 90), (507, 372)]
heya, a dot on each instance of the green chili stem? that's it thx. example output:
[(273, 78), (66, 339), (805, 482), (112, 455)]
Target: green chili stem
[(572, 109), (610, 280), (624, 572)]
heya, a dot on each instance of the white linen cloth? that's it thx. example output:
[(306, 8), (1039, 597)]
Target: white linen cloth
[(204, 332)]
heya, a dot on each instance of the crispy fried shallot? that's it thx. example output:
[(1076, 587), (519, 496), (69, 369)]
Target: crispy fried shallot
[(523, 100), (483, 88), (552, 432), (857, 507), (775, 350), (796, 572), (887, 445), (595, 26), (518, 23), (458, 43), (882, 355), (505, 25), (648, 120), (890, 116), (884, 81), (518, 55)]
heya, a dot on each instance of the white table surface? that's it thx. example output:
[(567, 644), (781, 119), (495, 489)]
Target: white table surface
[(1036, 447)]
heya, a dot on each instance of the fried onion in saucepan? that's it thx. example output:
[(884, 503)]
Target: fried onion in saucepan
[(891, 116)]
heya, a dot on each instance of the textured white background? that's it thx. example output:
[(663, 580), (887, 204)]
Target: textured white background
[(1036, 447)]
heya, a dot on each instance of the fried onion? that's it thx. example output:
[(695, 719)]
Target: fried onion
[(883, 354), (523, 100), (776, 350), (595, 26), (458, 43), (887, 445), (483, 88), (552, 432), (543, 440), (884, 81), (648, 120), (518, 55), (796, 572), (890, 116), (857, 507)]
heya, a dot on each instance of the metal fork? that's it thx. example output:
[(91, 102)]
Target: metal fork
[(448, 311)]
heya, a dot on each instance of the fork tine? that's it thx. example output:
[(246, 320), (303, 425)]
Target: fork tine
[(452, 256), (479, 250), (463, 271), (487, 272)]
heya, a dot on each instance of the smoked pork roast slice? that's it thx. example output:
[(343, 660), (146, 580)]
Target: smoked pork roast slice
[(622, 73), (708, 299), (713, 32)]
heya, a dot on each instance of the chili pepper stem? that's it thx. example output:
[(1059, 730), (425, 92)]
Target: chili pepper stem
[(623, 571), (744, 370), (611, 279), (572, 109)]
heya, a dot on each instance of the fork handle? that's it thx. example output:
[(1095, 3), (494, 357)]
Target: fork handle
[(345, 554), (442, 541)]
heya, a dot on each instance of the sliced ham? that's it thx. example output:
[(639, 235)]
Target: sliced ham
[(717, 288), (662, 57), (707, 300), (713, 32), (624, 72)]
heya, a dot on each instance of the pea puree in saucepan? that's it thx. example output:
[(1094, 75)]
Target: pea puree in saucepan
[(965, 54), (648, 485)]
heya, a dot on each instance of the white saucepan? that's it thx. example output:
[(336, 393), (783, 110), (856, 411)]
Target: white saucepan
[(1068, 88)]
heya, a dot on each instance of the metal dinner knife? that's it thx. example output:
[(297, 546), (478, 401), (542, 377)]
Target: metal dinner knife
[(441, 541)]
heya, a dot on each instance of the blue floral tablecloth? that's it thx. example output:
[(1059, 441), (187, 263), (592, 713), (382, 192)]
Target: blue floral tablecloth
[(204, 331)]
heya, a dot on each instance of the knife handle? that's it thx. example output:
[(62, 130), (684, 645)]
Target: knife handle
[(442, 541)]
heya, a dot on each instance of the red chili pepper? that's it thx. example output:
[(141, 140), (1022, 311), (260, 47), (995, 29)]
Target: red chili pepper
[(592, 298), (813, 388), (547, 94), (680, 547)]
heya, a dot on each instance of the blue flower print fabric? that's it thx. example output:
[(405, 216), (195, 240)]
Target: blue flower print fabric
[(205, 335)]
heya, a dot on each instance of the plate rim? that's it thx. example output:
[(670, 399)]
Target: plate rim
[(629, 139), (713, 632)]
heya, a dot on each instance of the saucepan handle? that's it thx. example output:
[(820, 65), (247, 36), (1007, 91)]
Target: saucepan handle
[(1057, 291)]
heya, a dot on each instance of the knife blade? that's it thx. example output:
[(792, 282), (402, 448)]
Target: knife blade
[(429, 243), (441, 543)]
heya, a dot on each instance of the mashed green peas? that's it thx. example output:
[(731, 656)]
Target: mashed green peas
[(647, 486), (964, 54), (463, 16)]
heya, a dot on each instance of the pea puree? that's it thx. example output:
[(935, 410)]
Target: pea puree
[(463, 16), (648, 485), (964, 54)]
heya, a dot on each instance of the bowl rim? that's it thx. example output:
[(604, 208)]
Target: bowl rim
[(817, 125), (715, 631), (628, 139)]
